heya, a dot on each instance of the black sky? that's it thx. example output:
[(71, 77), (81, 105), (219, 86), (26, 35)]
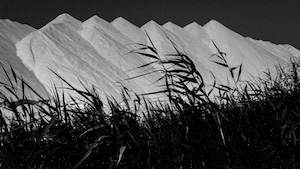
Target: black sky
[(277, 21)]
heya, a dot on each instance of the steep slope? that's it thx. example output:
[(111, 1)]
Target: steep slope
[(197, 42), (91, 51), (11, 33), (255, 58), (116, 48), (195, 45), (158, 36), (128, 29), (59, 48), (200, 47)]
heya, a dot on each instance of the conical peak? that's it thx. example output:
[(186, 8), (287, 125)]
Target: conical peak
[(66, 19), (120, 20), (191, 26), (94, 21), (96, 18), (150, 25), (129, 30), (214, 25), (213, 22), (170, 25), (64, 15), (216, 30)]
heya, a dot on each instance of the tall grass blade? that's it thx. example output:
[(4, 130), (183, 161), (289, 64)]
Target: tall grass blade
[(122, 149)]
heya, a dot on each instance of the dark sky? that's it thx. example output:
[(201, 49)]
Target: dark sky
[(277, 21)]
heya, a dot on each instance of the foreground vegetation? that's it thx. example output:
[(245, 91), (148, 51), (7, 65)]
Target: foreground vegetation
[(253, 125)]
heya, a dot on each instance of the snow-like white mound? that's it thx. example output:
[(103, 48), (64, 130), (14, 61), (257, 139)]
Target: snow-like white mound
[(99, 53), (240, 50)]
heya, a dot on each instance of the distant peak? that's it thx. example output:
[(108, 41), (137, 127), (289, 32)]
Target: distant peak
[(151, 22), (196, 30), (92, 21), (215, 29), (121, 20), (192, 25), (62, 17), (172, 27), (66, 19), (170, 24), (214, 24), (149, 25), (213, 21), (95, 17)]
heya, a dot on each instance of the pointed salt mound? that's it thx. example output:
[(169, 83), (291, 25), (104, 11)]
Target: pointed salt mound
[(159, 37), (58, 48), (164, 37), (104, 26), (116, 48), (128, 29), (203, 40), (192, 41), (68, 20), (10, 33), (189, 44), (176, 31), (198, 31), (254, 58), (196, 48)]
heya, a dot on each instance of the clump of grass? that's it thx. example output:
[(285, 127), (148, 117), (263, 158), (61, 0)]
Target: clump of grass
[(256, 108), (254, 126)]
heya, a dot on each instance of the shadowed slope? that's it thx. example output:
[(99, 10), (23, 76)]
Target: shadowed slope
[(11, 33)]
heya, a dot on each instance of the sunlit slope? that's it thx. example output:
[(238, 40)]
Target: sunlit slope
[(128, 29), (98, 54), (239, 50), (198, 43), (93, 52), (117, 48)]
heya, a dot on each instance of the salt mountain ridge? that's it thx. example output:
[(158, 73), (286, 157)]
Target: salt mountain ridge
[(99, 53)]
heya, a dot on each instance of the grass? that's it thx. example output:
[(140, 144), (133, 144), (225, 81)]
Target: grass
[(248, 124)]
